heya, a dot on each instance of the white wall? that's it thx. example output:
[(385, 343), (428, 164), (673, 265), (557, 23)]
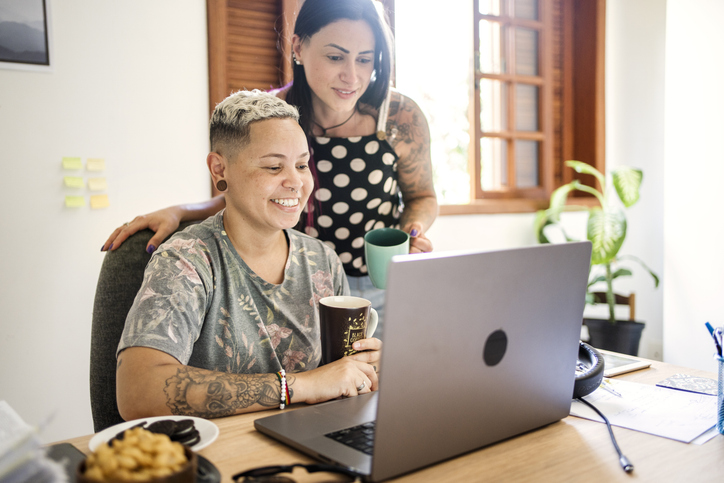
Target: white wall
[(128, 84), (635, 47), (694, 166)]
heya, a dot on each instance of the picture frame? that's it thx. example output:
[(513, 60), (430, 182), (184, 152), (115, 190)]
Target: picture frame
[(25, 35)]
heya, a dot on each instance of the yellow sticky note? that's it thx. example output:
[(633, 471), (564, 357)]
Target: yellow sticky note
[(74, 201), (97, 184), (72, 163), (95, 164), (73, 182), (99, 201)]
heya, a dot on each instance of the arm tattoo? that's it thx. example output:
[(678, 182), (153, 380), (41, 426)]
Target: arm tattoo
[(197, 392), (410, 136)]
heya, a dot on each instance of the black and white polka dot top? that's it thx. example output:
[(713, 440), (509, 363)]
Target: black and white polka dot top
[(356, 191)]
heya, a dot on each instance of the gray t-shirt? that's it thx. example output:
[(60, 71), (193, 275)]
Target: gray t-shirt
[(203, 305)]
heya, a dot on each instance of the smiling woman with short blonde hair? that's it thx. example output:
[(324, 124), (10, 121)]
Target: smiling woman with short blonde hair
[(227, 319)]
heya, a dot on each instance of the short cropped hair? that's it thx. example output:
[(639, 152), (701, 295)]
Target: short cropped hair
[(230, 123)]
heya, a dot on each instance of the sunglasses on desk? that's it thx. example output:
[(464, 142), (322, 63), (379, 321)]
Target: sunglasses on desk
[(271, 474)]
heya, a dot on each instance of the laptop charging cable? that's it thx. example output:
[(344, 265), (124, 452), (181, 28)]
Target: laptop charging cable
[(625, 463)]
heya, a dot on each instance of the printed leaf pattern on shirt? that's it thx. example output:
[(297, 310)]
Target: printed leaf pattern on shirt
[(239, 360), (199, 297), (323, 287)]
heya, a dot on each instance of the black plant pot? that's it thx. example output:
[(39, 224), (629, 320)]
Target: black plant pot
[(623, 336)]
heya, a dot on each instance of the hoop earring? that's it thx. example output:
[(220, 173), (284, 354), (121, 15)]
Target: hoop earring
[(221, 185), (294, 58)]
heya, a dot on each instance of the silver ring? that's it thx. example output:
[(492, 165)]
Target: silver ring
[(127, 223), (361, 386)]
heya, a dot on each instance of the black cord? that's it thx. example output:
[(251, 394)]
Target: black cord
[(625, 463)]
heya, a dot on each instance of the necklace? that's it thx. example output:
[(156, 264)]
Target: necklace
[(325, 129)]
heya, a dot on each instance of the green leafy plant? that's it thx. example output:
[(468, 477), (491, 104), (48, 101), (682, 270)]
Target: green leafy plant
[(606, 227)]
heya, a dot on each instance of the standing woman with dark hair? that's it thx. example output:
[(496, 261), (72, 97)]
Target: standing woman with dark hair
[(370, 144)]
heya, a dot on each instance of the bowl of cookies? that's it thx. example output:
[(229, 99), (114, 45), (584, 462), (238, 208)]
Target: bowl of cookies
[(139, 455)]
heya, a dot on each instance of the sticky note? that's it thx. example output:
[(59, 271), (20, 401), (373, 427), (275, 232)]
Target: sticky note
[(97, 184), (99, 201), (72, 163), (73, 182), (95, 164), (74, 201)]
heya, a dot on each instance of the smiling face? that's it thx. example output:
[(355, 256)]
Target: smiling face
[(269, 180), (338, 63)]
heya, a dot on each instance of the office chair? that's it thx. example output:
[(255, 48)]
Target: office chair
[(118, 283)]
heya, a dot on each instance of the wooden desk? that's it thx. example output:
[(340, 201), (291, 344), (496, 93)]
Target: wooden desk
[(570, 450)]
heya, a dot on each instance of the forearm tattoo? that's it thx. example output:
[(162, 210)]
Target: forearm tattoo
[(411, 139), (197, 392)]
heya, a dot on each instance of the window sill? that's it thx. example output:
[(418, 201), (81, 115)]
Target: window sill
[(501, 206)]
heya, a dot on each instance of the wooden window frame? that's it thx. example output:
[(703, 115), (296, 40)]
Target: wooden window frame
[(579, 131)]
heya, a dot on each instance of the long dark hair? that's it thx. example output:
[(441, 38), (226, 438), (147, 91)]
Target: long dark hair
[(317, 14)]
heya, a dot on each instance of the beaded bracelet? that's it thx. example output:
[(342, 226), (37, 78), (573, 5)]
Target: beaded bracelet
[(289, 396), (285, 399)]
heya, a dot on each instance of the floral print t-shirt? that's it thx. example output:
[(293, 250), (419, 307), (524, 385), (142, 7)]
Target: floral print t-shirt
[(201, 304)]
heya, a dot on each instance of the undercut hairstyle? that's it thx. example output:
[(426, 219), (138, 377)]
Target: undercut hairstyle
[(232, 119), (317, 14)]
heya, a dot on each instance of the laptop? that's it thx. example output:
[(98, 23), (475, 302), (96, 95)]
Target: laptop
[(478, 347)]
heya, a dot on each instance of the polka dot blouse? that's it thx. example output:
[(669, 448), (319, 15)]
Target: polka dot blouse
[(356, 191)]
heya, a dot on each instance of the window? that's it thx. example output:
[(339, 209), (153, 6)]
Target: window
[(531, 76), (513, 83)]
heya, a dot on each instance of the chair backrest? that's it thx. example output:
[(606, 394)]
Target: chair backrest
[(600, 298), (118, 283)]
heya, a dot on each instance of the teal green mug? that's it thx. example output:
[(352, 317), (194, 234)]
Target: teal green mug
[(380, 246)]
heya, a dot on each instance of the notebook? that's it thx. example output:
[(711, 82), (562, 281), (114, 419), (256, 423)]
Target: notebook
[(478, 347)]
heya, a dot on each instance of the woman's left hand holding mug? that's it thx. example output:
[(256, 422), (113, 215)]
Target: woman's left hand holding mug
[(419, 243)]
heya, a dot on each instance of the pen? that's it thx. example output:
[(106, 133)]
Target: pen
[(716, 335), (605, 384)]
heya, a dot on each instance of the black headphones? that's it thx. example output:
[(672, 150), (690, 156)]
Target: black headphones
[(589, 371)]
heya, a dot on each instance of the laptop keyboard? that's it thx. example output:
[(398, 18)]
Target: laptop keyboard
[(360, 437)]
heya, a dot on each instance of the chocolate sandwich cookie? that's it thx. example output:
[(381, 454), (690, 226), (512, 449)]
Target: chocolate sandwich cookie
[(190, 438), (183, 431), (183, 428), (163, 426)]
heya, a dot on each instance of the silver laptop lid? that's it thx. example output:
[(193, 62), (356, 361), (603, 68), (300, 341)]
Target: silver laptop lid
[(442, 391)]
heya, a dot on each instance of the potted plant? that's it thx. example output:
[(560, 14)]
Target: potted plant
[(606, 230)]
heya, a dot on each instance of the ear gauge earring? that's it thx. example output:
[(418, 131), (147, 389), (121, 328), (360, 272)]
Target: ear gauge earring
[(221, 185), (294, 58)]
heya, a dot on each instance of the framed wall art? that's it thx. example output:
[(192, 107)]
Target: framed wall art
[(25, 41)]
